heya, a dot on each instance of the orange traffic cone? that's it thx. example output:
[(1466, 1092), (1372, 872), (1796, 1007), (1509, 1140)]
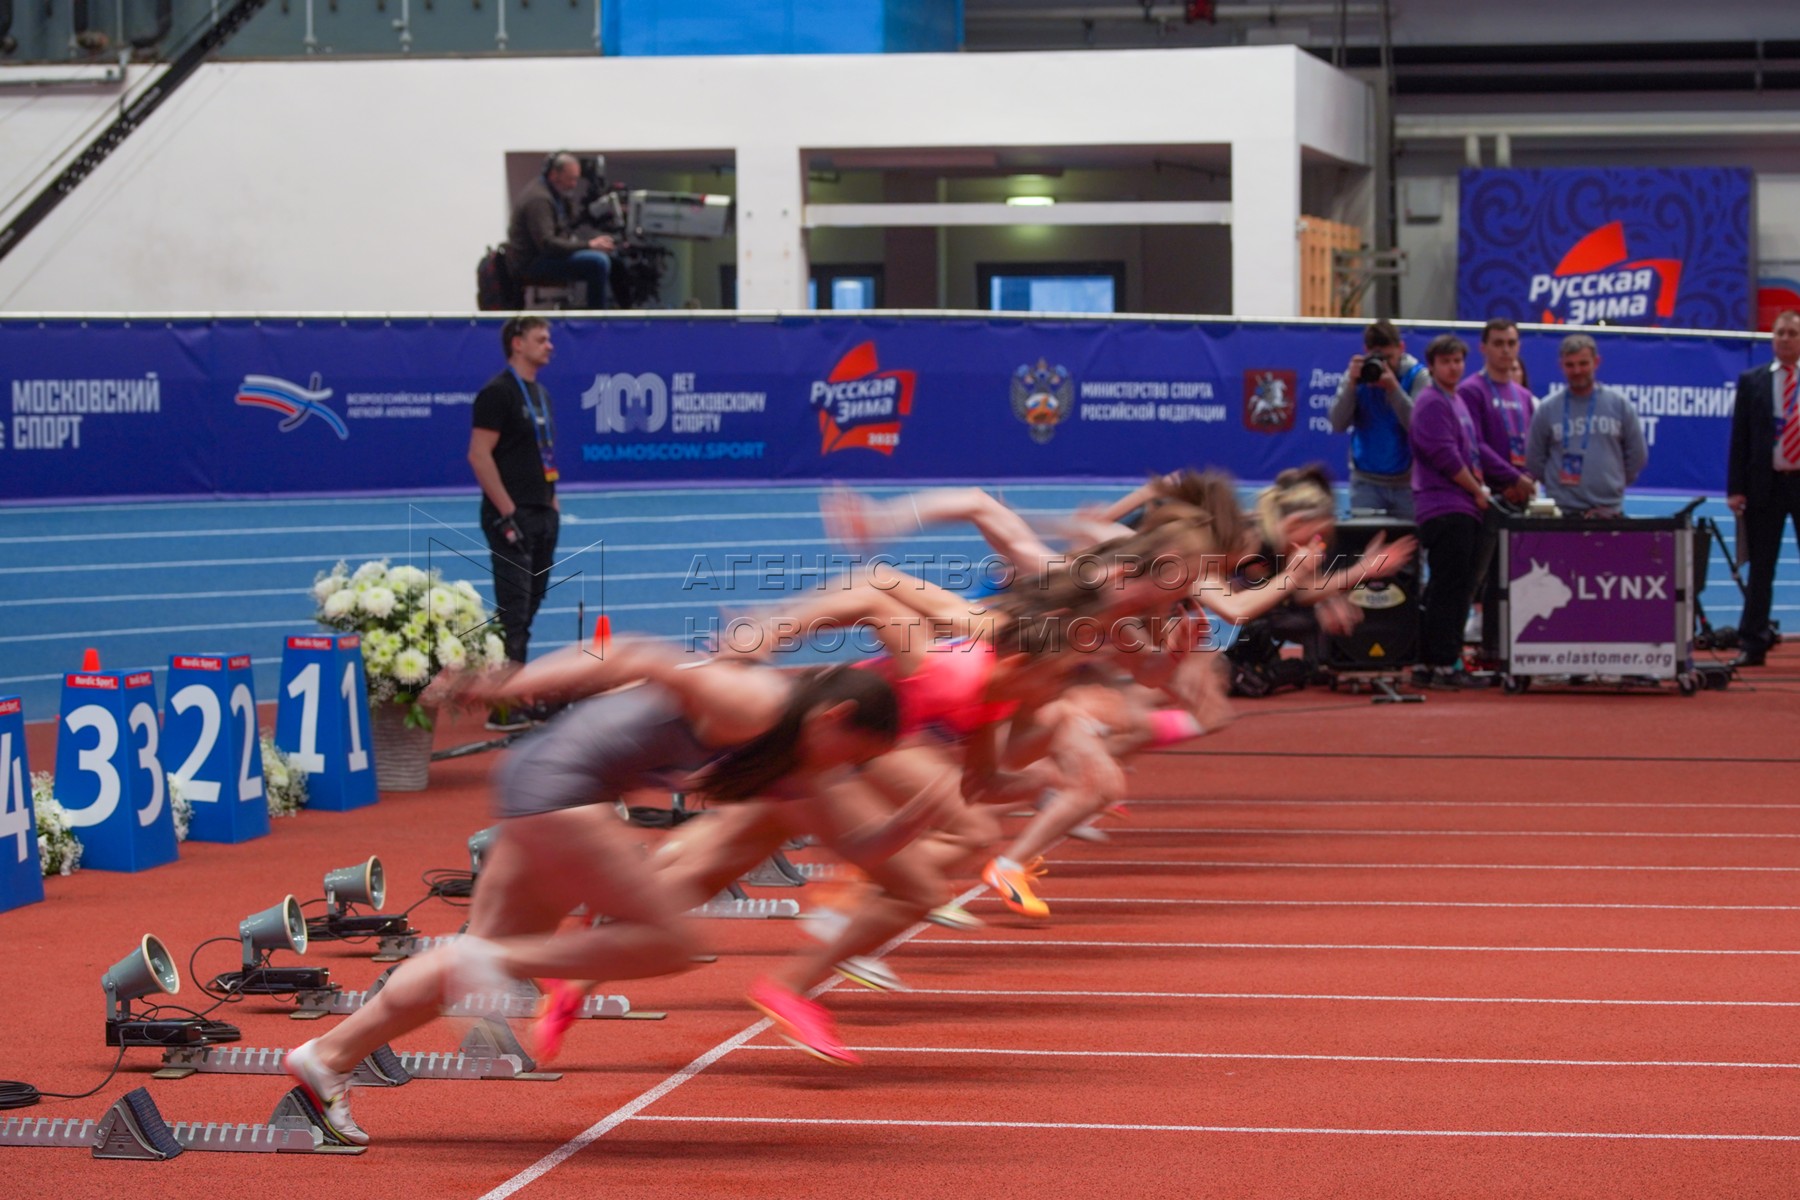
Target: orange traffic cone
[(90, 660)]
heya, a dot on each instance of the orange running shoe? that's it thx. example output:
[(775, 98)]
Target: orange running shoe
[(562, 1005), (801, 1022), (1013, 885)]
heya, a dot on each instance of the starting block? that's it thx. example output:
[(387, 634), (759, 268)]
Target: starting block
[(133, 1128), (521, 1003), (21, 880), (775, 871), (390, 947), (491, 1051), (732, 902)]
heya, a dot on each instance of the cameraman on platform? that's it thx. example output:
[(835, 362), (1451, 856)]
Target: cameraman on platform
[(1374, 404), (545, 239)]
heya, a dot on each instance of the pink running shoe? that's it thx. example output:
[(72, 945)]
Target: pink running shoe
[(801, 1022), (562, 1005)]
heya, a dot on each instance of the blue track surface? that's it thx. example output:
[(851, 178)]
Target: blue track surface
[(143, 581)]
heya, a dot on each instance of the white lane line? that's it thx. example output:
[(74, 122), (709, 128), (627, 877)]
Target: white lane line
[(1311, 997), (298, 623), (152, 597), (310, 530), (1116, 830), (630, 1110), (1244, 802), (940, 943), (1253, 864), (1587, 1135), (1345, 1058), (623, 1113), (1062, 900)]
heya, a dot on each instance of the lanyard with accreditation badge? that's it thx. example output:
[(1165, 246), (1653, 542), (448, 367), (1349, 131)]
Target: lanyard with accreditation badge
[(1512, 414), (546, 433), (1571, 463)]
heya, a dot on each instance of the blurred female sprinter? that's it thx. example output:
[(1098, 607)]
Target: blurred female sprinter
[(746, 730)]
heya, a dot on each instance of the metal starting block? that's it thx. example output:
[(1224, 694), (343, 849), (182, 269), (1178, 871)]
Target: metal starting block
[(733, 903), (133, 1129), (812, 871), (522, 1003), (393, 949), (774, 871)]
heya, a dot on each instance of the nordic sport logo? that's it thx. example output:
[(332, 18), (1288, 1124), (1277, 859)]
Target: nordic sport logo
[(1594, 282), (860, 405), (296, 404)]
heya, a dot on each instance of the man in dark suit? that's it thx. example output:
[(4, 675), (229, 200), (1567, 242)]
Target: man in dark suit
[(1763, 477)]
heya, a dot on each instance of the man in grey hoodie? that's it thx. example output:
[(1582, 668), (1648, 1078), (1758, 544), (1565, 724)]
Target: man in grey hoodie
[(1585, 443)]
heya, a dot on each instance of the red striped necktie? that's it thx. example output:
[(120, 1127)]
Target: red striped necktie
[(1790, 413)]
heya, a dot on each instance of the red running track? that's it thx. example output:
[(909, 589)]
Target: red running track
[(1488, 946)]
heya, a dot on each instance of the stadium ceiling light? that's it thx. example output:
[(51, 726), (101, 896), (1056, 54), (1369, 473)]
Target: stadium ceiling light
[(1031, 201)]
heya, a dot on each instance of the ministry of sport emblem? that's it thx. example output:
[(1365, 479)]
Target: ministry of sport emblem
[(1042, 396), (1269, 400)]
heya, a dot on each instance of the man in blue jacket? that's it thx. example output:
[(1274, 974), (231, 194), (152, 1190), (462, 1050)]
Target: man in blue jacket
[(1374, 404)]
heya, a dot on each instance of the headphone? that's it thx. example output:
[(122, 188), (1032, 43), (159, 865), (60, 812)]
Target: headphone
[(550, 161)]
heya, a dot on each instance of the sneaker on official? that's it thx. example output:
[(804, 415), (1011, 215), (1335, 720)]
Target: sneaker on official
[(871, 973), (1013, 885), (328, 1089), (1087, 831), (801, 1022)]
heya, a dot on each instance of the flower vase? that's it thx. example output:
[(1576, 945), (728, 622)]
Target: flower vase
[(402, 753)]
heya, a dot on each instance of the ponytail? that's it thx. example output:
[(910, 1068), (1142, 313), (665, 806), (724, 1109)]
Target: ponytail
[(750, 769)]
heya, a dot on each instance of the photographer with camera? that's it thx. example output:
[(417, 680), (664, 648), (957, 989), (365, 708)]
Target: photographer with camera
[(512, 450), (548, 239), (1374, 405)]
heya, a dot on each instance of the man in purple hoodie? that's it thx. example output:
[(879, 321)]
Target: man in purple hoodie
[(1449, 499), (1501, 410)]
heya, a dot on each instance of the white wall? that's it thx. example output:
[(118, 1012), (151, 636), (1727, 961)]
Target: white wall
[(374, 185)]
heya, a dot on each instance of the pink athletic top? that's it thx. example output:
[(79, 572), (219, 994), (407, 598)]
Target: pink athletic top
[(948, 690)]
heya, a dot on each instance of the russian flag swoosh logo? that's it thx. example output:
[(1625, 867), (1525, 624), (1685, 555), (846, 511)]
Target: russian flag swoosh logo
[(296, 404)]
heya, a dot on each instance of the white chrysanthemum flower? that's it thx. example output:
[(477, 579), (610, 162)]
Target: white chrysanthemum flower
[(442, 603), (339, 605), (412, 666), (452, 653), (407, 579), (378, 602), (370, 572), (326, 587), (415, 627), (493, 650), (466, 590)]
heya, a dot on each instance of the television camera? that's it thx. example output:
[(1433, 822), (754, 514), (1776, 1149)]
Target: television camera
[(637, 220)]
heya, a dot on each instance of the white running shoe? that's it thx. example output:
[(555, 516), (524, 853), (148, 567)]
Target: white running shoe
[(472, 974), (954, 916), (329, 1089), (871, 973), (1087, 831)]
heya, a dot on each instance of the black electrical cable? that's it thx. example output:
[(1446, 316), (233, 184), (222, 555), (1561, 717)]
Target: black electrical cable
[(14, 1094)]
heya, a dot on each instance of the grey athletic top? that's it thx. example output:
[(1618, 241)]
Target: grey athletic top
[(598, 750)]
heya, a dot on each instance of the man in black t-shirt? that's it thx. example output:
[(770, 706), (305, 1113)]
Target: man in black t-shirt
[(512, 449)]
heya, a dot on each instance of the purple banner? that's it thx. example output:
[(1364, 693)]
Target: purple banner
[(1600, 587)]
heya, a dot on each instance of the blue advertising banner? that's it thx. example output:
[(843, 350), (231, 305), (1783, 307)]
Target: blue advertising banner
[(286, 407), (1585, 246)]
